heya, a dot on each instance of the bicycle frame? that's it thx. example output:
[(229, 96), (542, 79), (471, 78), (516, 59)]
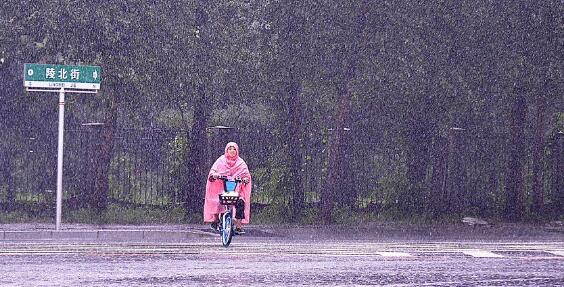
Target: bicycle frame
[(228, 198)]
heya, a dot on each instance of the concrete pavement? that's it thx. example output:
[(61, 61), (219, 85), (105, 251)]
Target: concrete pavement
[(383, 231), (31, 231)]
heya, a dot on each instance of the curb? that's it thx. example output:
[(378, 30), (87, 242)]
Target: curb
[(104, 235)]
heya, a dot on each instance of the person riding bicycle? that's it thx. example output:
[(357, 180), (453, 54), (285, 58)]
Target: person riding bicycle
[(232, 166)]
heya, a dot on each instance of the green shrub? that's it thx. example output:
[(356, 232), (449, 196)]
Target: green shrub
[(273, 213), (14, 217), (132, 215)]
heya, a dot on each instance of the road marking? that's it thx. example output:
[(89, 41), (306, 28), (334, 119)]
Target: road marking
[(394, 254), (481, 253), (352, 249), (559, 253)]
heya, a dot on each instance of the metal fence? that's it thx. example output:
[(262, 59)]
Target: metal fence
[(143, 167), (147, 168)]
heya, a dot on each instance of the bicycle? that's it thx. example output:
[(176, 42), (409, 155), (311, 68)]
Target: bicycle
[(228, 199)]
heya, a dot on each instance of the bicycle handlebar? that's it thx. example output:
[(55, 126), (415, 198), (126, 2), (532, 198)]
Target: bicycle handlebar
[(236, 179), (225, 178)]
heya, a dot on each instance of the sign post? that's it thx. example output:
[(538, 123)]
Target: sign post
[(61, 79), (60, 158)]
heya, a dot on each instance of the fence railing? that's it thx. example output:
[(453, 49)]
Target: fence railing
[(146, 168), (142, 168)]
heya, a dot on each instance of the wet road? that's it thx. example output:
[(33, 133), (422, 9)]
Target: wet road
[(289, 262)]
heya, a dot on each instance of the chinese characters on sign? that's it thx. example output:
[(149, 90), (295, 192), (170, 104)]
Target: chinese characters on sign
[(60, 76)]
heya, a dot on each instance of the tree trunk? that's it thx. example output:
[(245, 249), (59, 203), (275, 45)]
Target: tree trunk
[(558, 176), (336, 159), (538, 152), (295, 114), (350, 52), (197, 158), (7, 178), (103, 163), (455, 181), (418, 137), (196, 169), (514, 180), (97, 167), (439, 176)]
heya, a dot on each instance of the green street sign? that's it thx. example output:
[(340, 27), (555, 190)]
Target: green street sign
[(62, 76)]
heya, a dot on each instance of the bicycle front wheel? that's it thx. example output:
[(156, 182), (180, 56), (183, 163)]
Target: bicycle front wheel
[(227, 229)]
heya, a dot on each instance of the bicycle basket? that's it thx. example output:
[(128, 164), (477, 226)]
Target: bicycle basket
[(228, 198), (230, 185)]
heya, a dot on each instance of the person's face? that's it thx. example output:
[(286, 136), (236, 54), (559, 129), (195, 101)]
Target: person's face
[(231, 151)]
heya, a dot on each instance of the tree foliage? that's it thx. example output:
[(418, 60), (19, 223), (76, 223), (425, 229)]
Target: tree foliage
[(441, 108)]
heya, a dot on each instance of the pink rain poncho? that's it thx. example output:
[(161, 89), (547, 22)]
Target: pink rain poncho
[(230, 167)]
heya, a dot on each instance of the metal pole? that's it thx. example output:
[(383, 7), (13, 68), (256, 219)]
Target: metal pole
[(60, 158)]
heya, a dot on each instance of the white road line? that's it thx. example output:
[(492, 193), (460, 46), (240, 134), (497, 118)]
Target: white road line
[(394, 254), (481, 253), (559, 253), (552, 250)]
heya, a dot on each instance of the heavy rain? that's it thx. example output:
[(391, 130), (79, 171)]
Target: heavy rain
[(427, 121)]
